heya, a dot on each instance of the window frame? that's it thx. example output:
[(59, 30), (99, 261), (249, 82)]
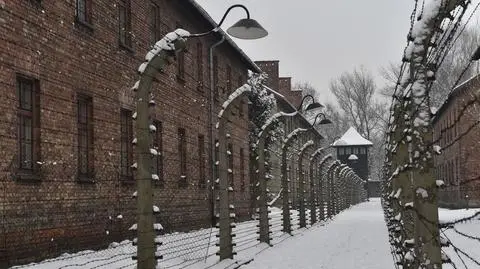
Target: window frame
[(200, 76), (126, 136), (242, 170), (201, 162), (181, 61), (33, 114), (86, 20), (125, 40), (182, 152), (155, 22), (85, 128), (228, 87), (230, 162)]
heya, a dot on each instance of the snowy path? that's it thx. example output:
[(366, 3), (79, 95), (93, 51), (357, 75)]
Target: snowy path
[(355, 239)]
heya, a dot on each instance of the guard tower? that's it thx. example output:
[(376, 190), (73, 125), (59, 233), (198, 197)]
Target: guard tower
[(352, 150)]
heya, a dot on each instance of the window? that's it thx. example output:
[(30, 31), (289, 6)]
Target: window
[(182, 151), (29, 126), (228, 88), (126, 146), (199, 66), (85, 138), (240, 108), (181, 61), (158, 160), (457, 171), (341, 151), (83, 11), (215, 76), (355, 150), (230, 164), (239, 81), (125, 24), (242, 170), (455, 122), (155, 22), (348, 151), (201, 162), (454, 172), (363, 150)]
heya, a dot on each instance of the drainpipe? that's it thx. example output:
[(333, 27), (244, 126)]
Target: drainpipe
[(211, 119)]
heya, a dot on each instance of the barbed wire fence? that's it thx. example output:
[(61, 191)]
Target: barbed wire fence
[(92, 220), (403, 219)]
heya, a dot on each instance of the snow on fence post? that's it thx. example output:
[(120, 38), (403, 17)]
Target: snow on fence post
[(301, 185), (225, 190), (341, 187), (287, 227), (322, 185), (264, 226), (336, 186), (344, 188), (350, 187), (329, 186), (314, 201), (155, 60)]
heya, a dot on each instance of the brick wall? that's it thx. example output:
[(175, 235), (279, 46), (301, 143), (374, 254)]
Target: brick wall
[(294, 97), (271, 68), (57, 213), (456, 132)]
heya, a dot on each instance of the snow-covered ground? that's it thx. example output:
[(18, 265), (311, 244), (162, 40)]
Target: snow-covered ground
[(356, 238), (464, 237)]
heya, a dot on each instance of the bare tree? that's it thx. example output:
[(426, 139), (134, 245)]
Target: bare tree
[(355, 93), (306, 88), (448, 73), (359, 107)]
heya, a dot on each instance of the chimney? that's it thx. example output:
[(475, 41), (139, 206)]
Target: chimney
[(271, 68)]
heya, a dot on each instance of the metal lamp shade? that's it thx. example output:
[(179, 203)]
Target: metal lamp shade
[(247, 29), (313, 106), (325, 121)]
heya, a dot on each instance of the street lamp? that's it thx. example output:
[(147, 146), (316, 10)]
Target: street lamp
[(323, 121), (311, 106), (155, 60), (244, 29)]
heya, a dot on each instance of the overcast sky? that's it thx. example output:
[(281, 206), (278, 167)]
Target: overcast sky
[(317, 40)]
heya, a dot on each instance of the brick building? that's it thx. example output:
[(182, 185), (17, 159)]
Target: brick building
[(288, 100), (281, 84), (456, 131), (66, 121)]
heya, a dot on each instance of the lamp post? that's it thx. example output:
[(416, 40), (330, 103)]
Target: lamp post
[(244, 29), (311, 106), (155, 60)]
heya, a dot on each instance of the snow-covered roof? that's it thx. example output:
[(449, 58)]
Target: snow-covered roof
[(352, 138), (353, 157)]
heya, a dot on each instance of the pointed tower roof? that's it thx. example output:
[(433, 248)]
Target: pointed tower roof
[(352, 138)]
